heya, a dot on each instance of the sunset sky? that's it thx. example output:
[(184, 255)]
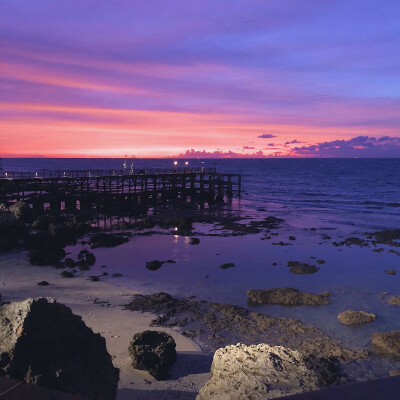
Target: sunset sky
[(157, 78)]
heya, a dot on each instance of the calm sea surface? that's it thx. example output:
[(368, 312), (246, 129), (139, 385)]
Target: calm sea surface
[(338, 197)]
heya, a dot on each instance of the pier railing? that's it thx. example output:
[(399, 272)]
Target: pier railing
[(101, 172)]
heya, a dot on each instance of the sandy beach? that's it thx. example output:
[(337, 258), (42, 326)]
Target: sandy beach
[(100, 305)]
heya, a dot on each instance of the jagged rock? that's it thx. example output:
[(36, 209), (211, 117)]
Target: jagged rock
[(350, 317), (43, 283), (20, 210), (153, 265), (116, 275), (387, 341), (194, 240), (153, 351), (45, 344), (107, 240), (287, 296), (256, 372), (299, 268)]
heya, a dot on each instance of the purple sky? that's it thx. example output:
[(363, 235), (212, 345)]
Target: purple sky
[(155, 78)]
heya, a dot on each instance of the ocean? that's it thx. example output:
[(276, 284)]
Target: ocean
[(316, 198)]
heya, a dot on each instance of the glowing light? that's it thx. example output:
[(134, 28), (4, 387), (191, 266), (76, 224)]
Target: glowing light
[(186, 162), (175, 163)]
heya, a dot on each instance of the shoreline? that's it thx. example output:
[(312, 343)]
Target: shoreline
[(100, 304)]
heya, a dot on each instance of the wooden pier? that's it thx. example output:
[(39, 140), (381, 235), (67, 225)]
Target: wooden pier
[(69, 190)]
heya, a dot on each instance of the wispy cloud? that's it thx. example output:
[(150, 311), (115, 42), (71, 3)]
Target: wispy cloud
[(266, 136)]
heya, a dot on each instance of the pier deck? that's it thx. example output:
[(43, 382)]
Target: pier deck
[(78, 188)]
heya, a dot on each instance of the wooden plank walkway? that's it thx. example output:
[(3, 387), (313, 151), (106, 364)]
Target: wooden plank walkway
[(77, 189)]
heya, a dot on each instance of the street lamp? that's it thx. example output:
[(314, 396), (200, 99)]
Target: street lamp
[(175, 163), (186, 162)]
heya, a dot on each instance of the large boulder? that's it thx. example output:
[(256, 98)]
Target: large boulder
[(351, 317), (153, 351), (20, 210), (287, 297), (256, 372), (45, 344), (389, 342)]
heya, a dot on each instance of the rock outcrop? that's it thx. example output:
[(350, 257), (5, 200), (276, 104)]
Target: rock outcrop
[(153, 351), (45, 344), (216, 325), (20, 210), (256, 372), (299, 268), (389, 342), (287, 297), (394, 300), (107, 240), (351, 317)]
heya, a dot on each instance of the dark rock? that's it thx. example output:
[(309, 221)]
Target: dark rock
[(94, 278), (171, 262), (45, 344), (90, 259), (227, 265), (67, 274), (292, 237), (42, 222), (390, 271), (104, 274), (46, 256), (11, 231), (321, 261), (388, 342), (107, 240), (57, 228), (70, 263), (154, 352), (116, 275), (153, 265), (287, 296), (299, 268), (350, 317), (86, 260), (43, 283), (194, 240)]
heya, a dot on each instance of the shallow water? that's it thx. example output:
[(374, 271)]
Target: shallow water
[(339, 198)]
